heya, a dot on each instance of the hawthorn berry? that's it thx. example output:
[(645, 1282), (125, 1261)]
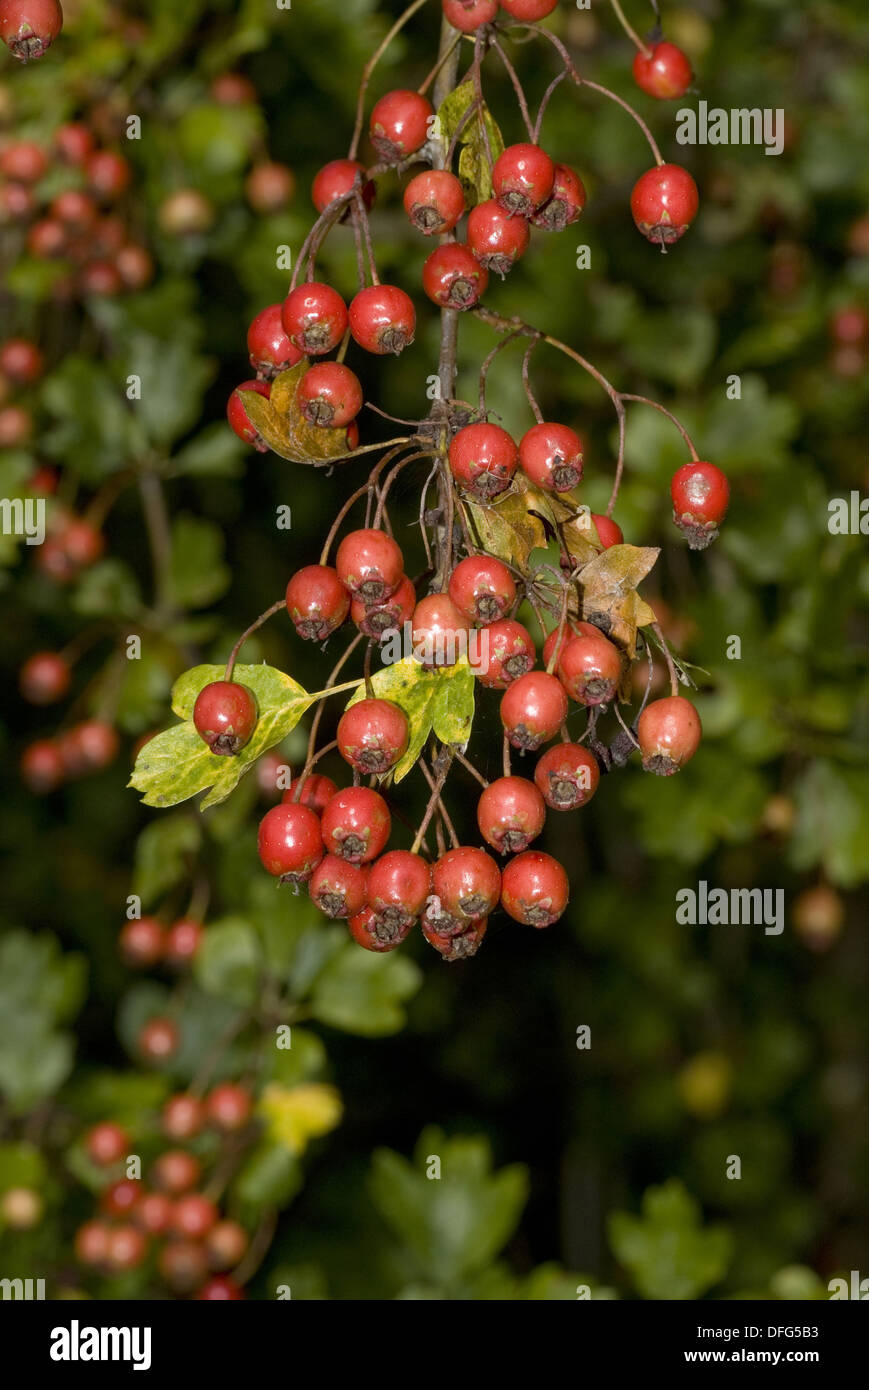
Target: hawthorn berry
[(75, 209), (370, 564), (91, 1242), (289, 842), (193, 1216), (467, 883), (664, 203), (338, 887), (226, 1243), (183, 1116), (74, 142), (153, 1213), (468, 15), (229, 1106), (590, 667), (317, 602), (270, 349), (135, 266), (126, 1248), (225, 716), (337, 179), (16, 428), (107, 1144), (17, 203), (329, 395), (44, 678), (119, 1198), (239, 420), (529, 10), (564, 204), (47, 239), (183, 940), (29, 27), (510, 814), (483, 458), (269, 187), (108, 174), (534, 889), (314, 317), (317, 791), (434, 201), (608, 531), (398, 886), (523, 178), (669, 733), (183, 1264), (100, 278), (701, 495), (399, 124), (356, 824), (24, 161), (663, 71), (533, 709), (453, 277), (362, 929), (455, 945), (567, 776), (510, 653), (439, 631), (92, 746), (176, 1171), (142, 943), (482, 588), (551, 456), (382, 319), (21, 361), (386, 617), (497, 238), (158, 1040), (372, 736), (220, 1290)]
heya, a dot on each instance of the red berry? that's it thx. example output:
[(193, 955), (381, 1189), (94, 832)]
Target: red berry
[(289, 842), (534, 889), (314, 317), (154, 1213), (608, 531), (135, 266), (119, 1198), (225, 716), (511, 652), (434, 201), (29, 27), (663, 71), (533, 709), (44, 678), (565, 203), (16, 426), (399, 124), (453, 277), (183, 1116), (233, 89), (372, 736), (356, 824), (23, 161), (590, 667), (370, 564), (182, 942), (849, 326), (439, 631), (483, 458), (17, 203), (664, 203), (336, 180), (510, 814), (100, 278), (467, 883), (142, 943), (529, 10), (127, 1248), (226, 1243), (193, 1216), (362, 929), (567, 776), (523, 179), (107, 1144), (176, 1171), (497, 238), (21, 361), (93, 746), (669, 733), (74, 142), (158, 1040), (551, 456), (398, 886), (47, 239), (82, 542), (183, 1264), (220, 1290), (270, 349), (269, 187), (382, 319), (338, 887), (229, 1106), (700, 494), (75, 209), (108, 174), (389, 616), (92, 1242), (468, 15), (455, 945), (316, 793), (239, 420), (330, 395), (317, 602), (482, 588)]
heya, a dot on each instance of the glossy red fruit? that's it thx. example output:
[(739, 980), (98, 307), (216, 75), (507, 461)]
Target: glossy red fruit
[(314, 317), (75, 209), (108, 174), (135, 265), (16, 427), (534, 889), (183, 1116), (225, 716), (523, 179), (338, 887), (193, 1216), (497, 238), (330, 395), (533, 709), (47, 239), (182, 942), (567, 776), (664, 203), (560, 636), (289, 842), (362, 929), (17, 203), (269, 187), (468, 15), (270, 349), (511, 652), (565, 203), (239, 420), (142, 943), (434, 201), (94, 745), (153, 1213), (74, 142), (849, 326), (229, 1106), (453, 277), (608, 531), (551, 456), (457, 944), (337, 179), (92, 1242), (701, 494), (398, 886), (379, 620), (127, 1248), (399, 124), (510, 814), (663, 71), (176, 1171), (21, 361), (382, 319), (158, 1040), (317, 791), (356, 824), (483, 458), (439, 631), (372, 736), (183, 1264), (82, 542), (482, 588), (107, 1144), (467, 883), (529, 10), (121, 1197), (23, 161), (44, 678), (226, 1243), (220, 1290), (29, 27), (669, 733), (370, 564), (590, 668)]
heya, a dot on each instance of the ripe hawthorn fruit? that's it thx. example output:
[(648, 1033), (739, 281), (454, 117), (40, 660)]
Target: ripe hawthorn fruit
[(468, 15), (381, 619), (176, 1171), (336, 180), (382, 319), (701, 495), (220, 1289), (565, 203), (455, 945), (338, 887), (142, 943), (183, 1116), (483, 458), (269, 347), (314, 317), (511, 652), (399, 124), (317, 602), (590, 667), (225, 716), (398, 886), (356, 824), (529, 10), (551, 456), (497, 238), (664, 203), (453, 277), (107, 1144), (229, 1106), (434, 201), (44, 678), (533, 709), (370, 565), (608, 531), (183, 940), (534, 889), (362, 928), (372, 736), (330, 395), (523, 179), (289, 842), (567, 776), (669, 733), (317, 791), (439, 631), (482, 587), (239, 420), (158, 1040), (467, 883), (510, 814), (663, 71)]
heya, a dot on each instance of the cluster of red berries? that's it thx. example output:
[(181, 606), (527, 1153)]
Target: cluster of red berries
[(85, 748), (29, 27), (145, 942)]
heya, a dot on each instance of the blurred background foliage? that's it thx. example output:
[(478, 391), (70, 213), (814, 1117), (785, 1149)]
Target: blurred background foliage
[(562, 1167)]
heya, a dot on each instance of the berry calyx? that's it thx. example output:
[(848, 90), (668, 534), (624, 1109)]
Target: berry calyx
[(338, 887), (590, 667), (534, 889), (497, 238), (370, 564), (317, 602), (664, 203), (330, 395), (510, 814), (453, 277), (398, 886), (523, 178), (565, 203), (467, 883), (229, 1106), (663, 72), (533, 709), (455, 945), (356, 824), (482, 588), (107, 1144), (239, 420), (382, 319), (314, 317), (381, 619), (529, 10), (372, 736), (511, 652), (468, 15), (337, 179), (567, 776), (483, 458), (270, 349), (44, 678), (608, 531), (669, 733), (440, 632), (317, 791), (362, 929), (225, 716), (434, 201), (29, 27), (701, 494), (399, 124), (289, 842), (551, 456)]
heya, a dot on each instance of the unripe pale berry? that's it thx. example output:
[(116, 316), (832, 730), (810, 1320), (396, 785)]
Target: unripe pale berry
[(382, 319), (356, 824), (483, 458), (434, 201), (330, 395), (567, 776), (226, 1243), (663, 71), (482, 588), (399, 124), (523, 179), (225, 716), (534, 889), (453, 278), (510, 813), (551, 456), (269, 187), (669, 733), (701, 495), (511, 652), (289, 842), (317, 602), (372, 736), (664, 203)]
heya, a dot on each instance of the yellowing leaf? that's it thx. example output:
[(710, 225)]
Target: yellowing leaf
[(609, 592), (442, 701), (474, 170), (505, 528), (283, 426), (294, 1115), (453, 704)]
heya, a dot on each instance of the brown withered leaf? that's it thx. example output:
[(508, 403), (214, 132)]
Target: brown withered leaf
[(283, 426), (609, 592)]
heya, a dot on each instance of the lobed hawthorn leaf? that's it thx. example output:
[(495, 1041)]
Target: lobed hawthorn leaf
[(609, 592), (283, 426), (439, 701)]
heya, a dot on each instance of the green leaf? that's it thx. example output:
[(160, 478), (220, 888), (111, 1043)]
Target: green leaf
[(480, 140), (163, 853), (173, 377), (360, 992), (270, 1177), (108, 590), (410, 686), (666, 1250), (197, 575), (832, 826), (21, 1165), (215, 451), (229, 962)]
